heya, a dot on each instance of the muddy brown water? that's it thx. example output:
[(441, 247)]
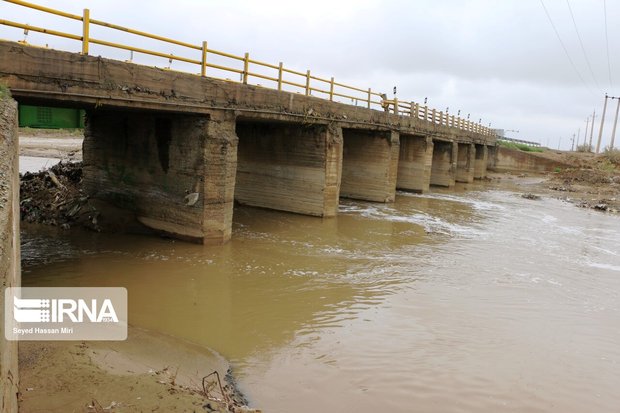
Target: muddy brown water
[(455, 301)]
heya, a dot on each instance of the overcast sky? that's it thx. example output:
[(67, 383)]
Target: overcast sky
[(498, 60)]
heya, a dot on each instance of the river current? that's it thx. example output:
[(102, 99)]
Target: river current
[(473, 300)]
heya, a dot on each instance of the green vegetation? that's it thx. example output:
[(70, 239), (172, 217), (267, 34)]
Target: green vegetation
[(584, 148), (4, 92), (557, 169), (612, 155), (520, 146)]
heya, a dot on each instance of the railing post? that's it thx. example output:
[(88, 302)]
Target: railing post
[(331, 90), (369, 97), (203, 67), (280, 76), (308, 83), (452, 121), (85, 31), (433, 116), (246, 68), (425, 113), (396, 105), (412, 110)]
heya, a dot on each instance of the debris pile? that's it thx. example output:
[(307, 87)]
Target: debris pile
[(54, 197), (531, 196)]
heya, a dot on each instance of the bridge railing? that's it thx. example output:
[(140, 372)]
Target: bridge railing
[(246, 68), (528, 143)]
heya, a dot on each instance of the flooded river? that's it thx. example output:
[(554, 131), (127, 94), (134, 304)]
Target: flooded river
[(455, 301)]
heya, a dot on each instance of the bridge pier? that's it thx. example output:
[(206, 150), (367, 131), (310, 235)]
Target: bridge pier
[(369, 165), (289, 167), (414, 163), (174, 172), (465, 162), (480, 163), (443, 170)]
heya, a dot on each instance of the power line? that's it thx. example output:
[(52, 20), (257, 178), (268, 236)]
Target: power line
[(607, 43), (564, 47), (583, 49)]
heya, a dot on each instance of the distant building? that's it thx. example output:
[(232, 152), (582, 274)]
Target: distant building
[(499, 132)]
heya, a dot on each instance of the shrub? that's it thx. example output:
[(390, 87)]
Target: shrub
[(520, 146), (4, 92), (612, 155)]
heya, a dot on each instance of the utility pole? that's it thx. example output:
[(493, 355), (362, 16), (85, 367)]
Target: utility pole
[(559, 143), (585, 135), (592, 129), (613, 131), (577, 141), (600, 131), (572, 146)]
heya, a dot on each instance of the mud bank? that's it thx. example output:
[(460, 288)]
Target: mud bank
[(148, 372), (583, 179)]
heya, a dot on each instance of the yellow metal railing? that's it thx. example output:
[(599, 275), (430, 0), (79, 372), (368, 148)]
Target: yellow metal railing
[(328, 89)]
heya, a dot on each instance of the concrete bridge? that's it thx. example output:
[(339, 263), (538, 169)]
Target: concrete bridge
[(178, 149)]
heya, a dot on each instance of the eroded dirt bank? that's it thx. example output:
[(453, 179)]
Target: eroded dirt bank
[(589, 181)]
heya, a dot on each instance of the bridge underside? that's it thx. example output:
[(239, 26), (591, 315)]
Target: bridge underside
[(443, 169), (369, 165), (481, 161), (176, 173), (289, 167), (414, 163), (465, 162)]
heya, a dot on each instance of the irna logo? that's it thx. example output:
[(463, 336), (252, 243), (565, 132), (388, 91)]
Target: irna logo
[(32, 310), (65, 313)]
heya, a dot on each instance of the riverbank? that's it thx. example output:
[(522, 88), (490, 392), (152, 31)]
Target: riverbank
[(148, 372), (589, 180), (64, 144)]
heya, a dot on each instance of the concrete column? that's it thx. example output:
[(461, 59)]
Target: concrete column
[(369, 165), (443, 170), (492, 155), (220, 162), (289, 167), (465, 162), (414, 163), (480, 163), (174, 173), (10, 270)]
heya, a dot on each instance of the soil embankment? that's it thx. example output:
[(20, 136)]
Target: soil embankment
[(590, 181), (582, 178)]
